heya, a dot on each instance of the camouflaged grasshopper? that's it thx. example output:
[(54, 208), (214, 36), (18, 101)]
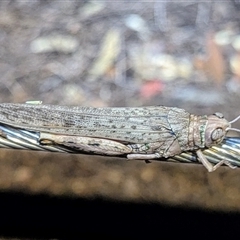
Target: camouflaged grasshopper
[(138, 133)]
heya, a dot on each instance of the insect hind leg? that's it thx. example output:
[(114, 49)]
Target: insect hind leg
[(138, 156), (144, 151), (154, 150)]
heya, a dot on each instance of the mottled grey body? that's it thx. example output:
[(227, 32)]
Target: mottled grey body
[(140, 133)]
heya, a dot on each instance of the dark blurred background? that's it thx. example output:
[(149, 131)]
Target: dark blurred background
[(118, 53)]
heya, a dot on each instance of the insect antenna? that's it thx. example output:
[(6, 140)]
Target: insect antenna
[(233, 121)]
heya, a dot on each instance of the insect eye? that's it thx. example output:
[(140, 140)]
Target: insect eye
[(217, 134)]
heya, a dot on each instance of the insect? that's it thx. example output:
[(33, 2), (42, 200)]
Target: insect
[(138, 133)]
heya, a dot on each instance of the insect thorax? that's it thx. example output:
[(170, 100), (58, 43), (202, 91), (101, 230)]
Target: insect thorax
[(189, 129), (196, 131)]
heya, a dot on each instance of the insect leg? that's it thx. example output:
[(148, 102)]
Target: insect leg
[(85, 144), (208, 165), (34, 102), (139, 156), (154, 150)]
